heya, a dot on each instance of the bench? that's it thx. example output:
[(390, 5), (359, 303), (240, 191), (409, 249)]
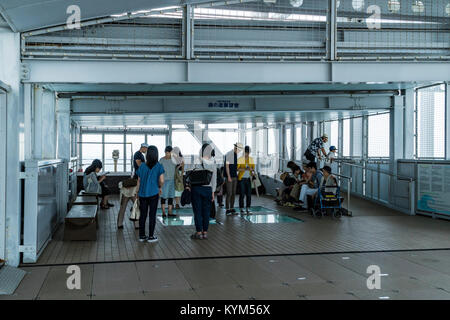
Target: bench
[(86, 200), (81, 223)]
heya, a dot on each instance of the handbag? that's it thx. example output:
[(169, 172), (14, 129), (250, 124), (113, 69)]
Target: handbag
[(199, 177), (135, 212), (129, 183)]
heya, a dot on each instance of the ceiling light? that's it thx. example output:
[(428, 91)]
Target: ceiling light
[(358, 5), (394, 5), (418, 7), (296, 3)]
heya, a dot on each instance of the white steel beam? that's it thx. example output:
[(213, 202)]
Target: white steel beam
[(49, 71)]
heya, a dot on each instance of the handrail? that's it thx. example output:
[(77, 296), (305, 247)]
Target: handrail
[(392, 174)]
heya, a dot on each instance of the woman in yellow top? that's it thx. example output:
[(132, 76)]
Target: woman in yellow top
[(246, 170)]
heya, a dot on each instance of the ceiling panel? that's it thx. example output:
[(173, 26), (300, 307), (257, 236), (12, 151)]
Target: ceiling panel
[(25, 15)]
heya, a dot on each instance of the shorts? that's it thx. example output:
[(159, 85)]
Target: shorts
[(178, 193)]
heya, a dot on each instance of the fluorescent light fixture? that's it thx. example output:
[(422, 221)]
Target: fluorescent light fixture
[(358, 5), (394, 5), (418, 7), (296, 3)]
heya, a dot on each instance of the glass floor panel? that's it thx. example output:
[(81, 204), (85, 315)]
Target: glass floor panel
[(270, 218), (181, 221), (188, 210)]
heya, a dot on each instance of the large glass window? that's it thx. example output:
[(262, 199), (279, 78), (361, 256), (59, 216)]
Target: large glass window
[(91, 149), (113, 143), (298, 142), (379, 133), (259, 142), (346, 138), (272, 141), (224, 140), (288, 143), (187, 143), (334, 134), (430, 122), (160, 142)]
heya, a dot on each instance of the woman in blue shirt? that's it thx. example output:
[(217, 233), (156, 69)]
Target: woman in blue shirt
[(150, 182)]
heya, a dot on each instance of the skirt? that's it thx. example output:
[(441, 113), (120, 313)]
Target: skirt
[(168, 189)]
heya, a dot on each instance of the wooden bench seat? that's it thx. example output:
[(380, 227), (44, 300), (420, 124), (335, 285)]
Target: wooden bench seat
[(81, 223)]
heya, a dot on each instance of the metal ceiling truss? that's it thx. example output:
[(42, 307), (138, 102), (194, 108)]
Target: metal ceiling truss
[(250, 30)]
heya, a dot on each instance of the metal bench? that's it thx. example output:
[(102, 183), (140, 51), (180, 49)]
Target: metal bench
[(81, 223)]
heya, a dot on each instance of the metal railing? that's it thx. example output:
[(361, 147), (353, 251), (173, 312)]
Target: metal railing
[(380, 185)]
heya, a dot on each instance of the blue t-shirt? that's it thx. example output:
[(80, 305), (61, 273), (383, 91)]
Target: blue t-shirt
[(149, 185)]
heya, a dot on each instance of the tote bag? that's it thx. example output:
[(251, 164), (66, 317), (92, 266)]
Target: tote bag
[(135, 212)]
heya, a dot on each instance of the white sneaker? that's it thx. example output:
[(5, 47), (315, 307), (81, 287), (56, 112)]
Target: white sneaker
[(152, 239)]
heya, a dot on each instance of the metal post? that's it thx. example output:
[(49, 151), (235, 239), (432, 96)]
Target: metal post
[(331, 30), (349, 186), (412, 198)]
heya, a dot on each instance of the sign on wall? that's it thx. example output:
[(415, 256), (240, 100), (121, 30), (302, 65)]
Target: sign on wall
[(434, 188)]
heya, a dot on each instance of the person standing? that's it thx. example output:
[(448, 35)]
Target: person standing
[(168, 191), (246, 171), (316, 147), (231, 176), (150, 182), (202, 197), (179, 172), (139, 158)]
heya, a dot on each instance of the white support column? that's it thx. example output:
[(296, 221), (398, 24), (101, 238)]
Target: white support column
[(408, 121), (3, 102), (63, 128), (62, 110), (396, 140), (447, 121), (10, 74)]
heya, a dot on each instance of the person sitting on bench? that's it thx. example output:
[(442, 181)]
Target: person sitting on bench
[(311, 186), (94, 184)]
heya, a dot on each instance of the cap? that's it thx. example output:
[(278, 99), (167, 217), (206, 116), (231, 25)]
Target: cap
[(326, 168), (144, 145), (332, 148), (325, 136), (239, 145)]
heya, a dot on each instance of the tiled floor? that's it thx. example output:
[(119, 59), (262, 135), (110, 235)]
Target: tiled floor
[(314, 259), (372, 228), (406, 275)]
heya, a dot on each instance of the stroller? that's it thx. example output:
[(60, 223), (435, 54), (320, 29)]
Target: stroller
[(326, 201)]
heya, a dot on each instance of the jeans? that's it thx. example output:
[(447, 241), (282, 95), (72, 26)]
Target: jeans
[(148, 206), (231, 193), (201, 198), (246, 191), (306, 191)]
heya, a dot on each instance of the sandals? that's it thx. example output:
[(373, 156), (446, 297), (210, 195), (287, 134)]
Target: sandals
[(196, 236), (104, 207)]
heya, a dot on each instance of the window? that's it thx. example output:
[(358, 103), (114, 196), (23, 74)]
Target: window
[(288, 143), (223, 126), (113, 143), (334, 134), (259, 143), (224, 140), (298, 142), (346, 138), (249, 139), (187, 143), (272, 141), (91, 149), (379, 133), (158, 141), (430, 122)]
